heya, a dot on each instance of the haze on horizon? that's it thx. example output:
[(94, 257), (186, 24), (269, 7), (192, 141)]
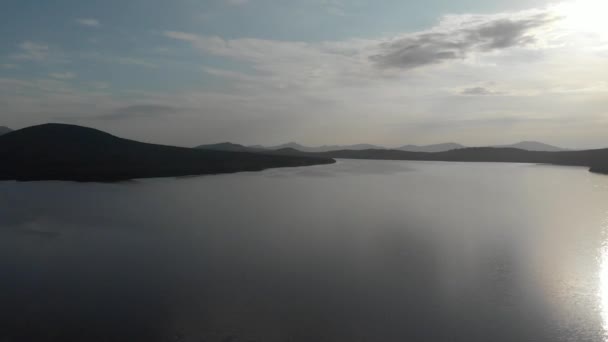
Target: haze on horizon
[(318, 72)]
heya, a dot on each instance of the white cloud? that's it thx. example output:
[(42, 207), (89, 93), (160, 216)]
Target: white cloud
[(30, 51), (139, 62), (89, 22), (393, 90), (38, 52), (380, 90), (63, 75), (457, 39)]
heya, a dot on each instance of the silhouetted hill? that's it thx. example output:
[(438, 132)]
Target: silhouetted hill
[(443, 147), (431, 148), (4, 130), (535, 146), (597, 160), (68, 152), (324, 148), (288, 151), (230, 147), (293, 145)]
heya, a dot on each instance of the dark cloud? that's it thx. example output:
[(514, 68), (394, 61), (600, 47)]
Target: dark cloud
[(479, 91), (436, 47)]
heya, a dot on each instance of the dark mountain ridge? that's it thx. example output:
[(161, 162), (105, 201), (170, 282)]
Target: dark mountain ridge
[(597, 160), (69, 152), (534, 146), (431, 148), (228, 146), (324, 148), (443, 147), (5, 130)]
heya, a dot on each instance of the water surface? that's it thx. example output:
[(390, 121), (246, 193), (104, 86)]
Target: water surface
[(356, 251)]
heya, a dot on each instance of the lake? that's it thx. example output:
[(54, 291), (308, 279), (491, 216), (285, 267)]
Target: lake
[(356, 251)]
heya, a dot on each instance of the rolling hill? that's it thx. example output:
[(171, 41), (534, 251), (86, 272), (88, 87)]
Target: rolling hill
[(534, 146), (69, 152), (431, 148), (324, 148), (443, 147), (229, 147), (596, 160)]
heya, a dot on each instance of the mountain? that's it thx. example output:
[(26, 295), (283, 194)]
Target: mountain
[(431, 148), (69, 152), (293, 145), (4, 130), (229, 147), (596, 160), (524, 145), (288, 151), (444, 147), (324, 148), (534, 146)]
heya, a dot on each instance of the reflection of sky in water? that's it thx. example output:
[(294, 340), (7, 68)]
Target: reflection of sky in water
[(357, 251), (343, 168)]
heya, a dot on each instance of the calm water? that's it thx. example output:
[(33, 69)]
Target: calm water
[(357, 251)]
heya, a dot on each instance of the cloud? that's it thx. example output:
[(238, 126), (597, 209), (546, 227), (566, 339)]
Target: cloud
[(37, 52), (457, 37), (189, 37), (30, 51), (99, 85), (377, 90), (296, 64), (96, 56), (135, 61), (63, 75), (335, 7), (373, 89), (287, 64), (138, 112), (236, 2), (89, 22), (479, 91)]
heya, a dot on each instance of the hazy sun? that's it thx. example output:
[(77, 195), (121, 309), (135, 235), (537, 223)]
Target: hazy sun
[(585, 15)]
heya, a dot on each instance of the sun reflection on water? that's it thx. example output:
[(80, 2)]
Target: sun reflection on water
[(603, 284)]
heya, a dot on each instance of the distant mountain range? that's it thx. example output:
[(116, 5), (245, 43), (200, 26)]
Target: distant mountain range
[(4, 130), (522, 152), (325, 148), (69, 152), (597, 160), (444, 147), (431, 148), (229, 147), (534, 146)]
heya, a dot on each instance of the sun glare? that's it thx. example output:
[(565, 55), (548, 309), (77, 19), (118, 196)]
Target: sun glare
[(603, 290), (587, 16), (603, 285)]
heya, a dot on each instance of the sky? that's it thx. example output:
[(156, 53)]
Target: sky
[(393, 72)]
